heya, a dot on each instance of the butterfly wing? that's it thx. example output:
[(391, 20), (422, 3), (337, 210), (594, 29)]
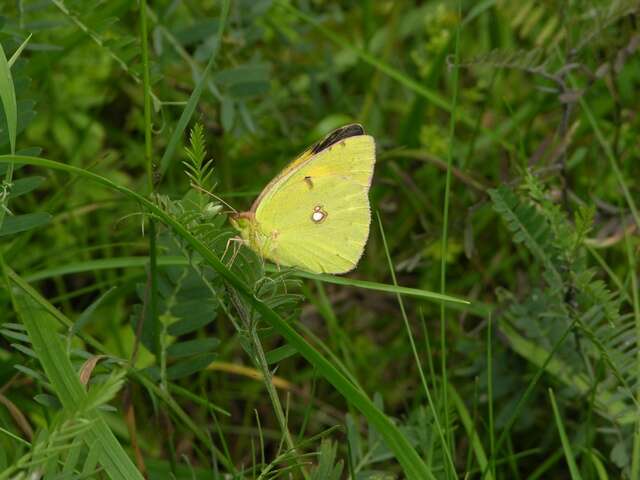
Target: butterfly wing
[(318, 214), (338, 134)]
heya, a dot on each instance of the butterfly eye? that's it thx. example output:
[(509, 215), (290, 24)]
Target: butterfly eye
[(318, 214)]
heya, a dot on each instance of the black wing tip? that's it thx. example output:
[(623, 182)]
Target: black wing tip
[(351, 130)]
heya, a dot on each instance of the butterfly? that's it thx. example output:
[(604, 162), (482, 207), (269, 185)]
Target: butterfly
[(315, 214)]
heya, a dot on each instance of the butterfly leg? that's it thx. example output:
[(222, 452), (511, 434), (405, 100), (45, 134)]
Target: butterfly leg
[(237, 242)]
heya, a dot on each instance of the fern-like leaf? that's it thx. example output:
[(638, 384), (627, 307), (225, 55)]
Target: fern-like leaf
[(528, 226), (198, 168)]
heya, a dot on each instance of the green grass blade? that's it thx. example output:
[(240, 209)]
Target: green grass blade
[(8, 98), (40, 300), (153, 323), (104, 264), (608, 150), (397, 75), (612, 160), (66, 383), (566, 445), (10, 107), (492, 439), (444, 238), (441, 436), (383, 287), (169, 261), (403, 79), (19, 50), (635, 456), (474, 439), (190, 107)]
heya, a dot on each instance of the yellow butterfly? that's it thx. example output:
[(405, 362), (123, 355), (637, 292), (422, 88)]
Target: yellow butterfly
[(315, 214)]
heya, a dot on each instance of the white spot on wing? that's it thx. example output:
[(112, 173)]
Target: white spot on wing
[(318, 214)]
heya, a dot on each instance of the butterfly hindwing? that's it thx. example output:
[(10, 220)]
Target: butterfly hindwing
[(318, 214)]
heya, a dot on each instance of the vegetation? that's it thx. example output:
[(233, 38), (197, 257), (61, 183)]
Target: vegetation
[(491, 329)]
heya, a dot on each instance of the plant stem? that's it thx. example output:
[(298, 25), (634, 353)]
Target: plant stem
[(443, 253), (635, 456), (450, 465), (152, 317), (263, 366), (492, 440)]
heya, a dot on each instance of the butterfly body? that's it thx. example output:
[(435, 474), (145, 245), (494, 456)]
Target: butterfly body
[(315, 214)]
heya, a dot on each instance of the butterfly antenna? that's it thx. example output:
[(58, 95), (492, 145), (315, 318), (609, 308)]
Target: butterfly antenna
[(198, 187)]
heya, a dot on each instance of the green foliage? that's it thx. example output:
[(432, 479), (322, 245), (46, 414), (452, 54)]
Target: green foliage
[(59, 450), (207, 361), (16, 112), (186, 304), (327, 467), (530, 227), (22, 223), (78, 408), (106, 31), (573, 292), (198, 168)]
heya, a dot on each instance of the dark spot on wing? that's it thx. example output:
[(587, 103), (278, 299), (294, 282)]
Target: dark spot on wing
[(353, 130), (308, 181)]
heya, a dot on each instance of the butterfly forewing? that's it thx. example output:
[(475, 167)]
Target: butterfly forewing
[(334, 137)]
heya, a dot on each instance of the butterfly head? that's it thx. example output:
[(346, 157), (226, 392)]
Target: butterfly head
[(245, 223), (241, 219), (250, 231)]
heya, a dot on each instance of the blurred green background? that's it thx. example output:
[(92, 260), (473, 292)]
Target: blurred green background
[(536, 378)]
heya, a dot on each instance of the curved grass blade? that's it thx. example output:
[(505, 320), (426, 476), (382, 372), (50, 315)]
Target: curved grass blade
[(566, 444), (65, 381), (190, 107), (167, 261), (8, 98)]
